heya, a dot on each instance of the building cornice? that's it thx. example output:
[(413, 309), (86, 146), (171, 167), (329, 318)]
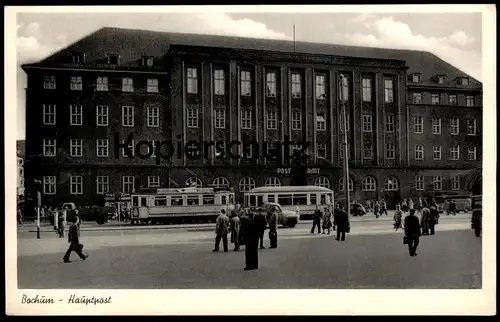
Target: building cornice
[(97, 68), (438, 88)]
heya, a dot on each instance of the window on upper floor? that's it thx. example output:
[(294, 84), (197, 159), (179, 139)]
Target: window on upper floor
[(49, 82), (417, 98), (472, 153), (436, 125), (455, 153), (441, 79), (389, 151), (469, 101), (367, 151), (437, 183), (128, 116), (321, 151), (246, 119), (471, 127), (113, 59), (219, 82), (49, 114), (415, 78), (76, 83), (127, 84), (435, 99), (192, 117), (147, 61), (76, 147), (296, 120), (367, 123), (418, 122), (454, 126), (345, 88), (220, 118), (419, 152), (320, 122), (464, 81), (102, 115), (245, 83), (78, 58), (271, 84), (389, 123), (452, 100), (436, 152), (192, 80), (320, 87), (152, 85), (272, 120), (296, 85), (102, 84), (389, 90), (153, 117), (76, 114), (367, 89)]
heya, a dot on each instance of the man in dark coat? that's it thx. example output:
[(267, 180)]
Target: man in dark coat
[(412, 232), (452, 208), (262, 223), (317, 220), (74, 240), (341, 220), (433, 219), (250, 231), (273, 228), (477, 221)]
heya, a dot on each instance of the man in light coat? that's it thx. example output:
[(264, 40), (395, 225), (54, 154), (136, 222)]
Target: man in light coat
[(221, 230), (235, 231)]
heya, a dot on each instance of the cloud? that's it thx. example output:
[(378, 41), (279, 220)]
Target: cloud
[(389, 33), (362, 18)]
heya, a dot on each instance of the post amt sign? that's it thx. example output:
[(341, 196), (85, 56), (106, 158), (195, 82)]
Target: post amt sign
[(288, 171)]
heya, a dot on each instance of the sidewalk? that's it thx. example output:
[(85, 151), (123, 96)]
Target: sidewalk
[(115, 225)]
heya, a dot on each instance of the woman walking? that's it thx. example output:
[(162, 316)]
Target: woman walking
[(398, 215), (327, 220)]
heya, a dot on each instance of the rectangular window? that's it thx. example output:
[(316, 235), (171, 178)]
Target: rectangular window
[(49, 82), (418, 122), (367, 89), (102, 115), (272, 120), (102, 84), (220, 118), (455, 153), (102, 184), (296, 120), (367, 123), (436, 152), (128, 184), (192, 117), (153, 181), (219, 82), (49, 185), (452, 100), (271, 84), (130, 148), (472, 153), (192, 80), (416, 78), (345, 89), (76, 183), (417, 98), (153, 116), (49, 114), (296, 88), (367, 151), (322, 151), (320, 87), (389, 123), (127, 84), (342, 151), (246, 119), (128, 116), (436, 126), (245, 83), (344, 123), (438, 183), (320, 122), (102, 146), (454, 126), (76, 147), (271, 150), (389, 151), (435, 99), (152, 85), (389, 90), (419, 152), (419, 183), (76, 117), (455, 183), (469, 101), (76, 83), (471, 127), (49, 147)]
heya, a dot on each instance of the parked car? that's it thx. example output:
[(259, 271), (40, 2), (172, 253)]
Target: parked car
[(287, 218)]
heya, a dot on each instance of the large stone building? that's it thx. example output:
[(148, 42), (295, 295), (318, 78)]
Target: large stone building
[(20, 151), (414, 120)]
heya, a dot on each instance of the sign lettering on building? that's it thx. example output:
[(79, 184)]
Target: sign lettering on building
[(288, 171)]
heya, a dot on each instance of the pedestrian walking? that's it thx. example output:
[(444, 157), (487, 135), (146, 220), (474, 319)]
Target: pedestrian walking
[(261, 219), (74, 240), (398, 216), (404, 206), (60, 224), (376, 209), (273, 228), (433, 219), (235, 226), (341, 220), (411, 205), (477, 221), (327, 220), (412, 233), (297, 209), (250, 231), (452, 208), (383, 208), (221, 230), (317, 220), (424, 221)]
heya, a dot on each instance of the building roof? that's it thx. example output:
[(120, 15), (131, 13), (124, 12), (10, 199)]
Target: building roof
[(132, 44)]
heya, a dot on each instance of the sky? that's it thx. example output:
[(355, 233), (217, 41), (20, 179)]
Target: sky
[(454, 37)]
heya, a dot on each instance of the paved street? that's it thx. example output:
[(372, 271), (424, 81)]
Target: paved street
[(372, 257)]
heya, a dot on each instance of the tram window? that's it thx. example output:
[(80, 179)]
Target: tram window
[(223, 200), (208, 200), (193, 200), (323, 199), (231, 199), (260, 200), (135, 201), (270, 198), (160, 201), (300, 199), (312, 198), (144, 202), (253, 201), (285, 200), (176, 201)]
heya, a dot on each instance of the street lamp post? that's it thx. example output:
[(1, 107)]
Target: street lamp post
[(346, 148)]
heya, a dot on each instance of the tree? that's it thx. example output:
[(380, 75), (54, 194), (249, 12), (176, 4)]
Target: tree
[(299, 169)]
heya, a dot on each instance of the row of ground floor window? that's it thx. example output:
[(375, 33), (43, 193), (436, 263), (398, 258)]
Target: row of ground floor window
[(363, 183)]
